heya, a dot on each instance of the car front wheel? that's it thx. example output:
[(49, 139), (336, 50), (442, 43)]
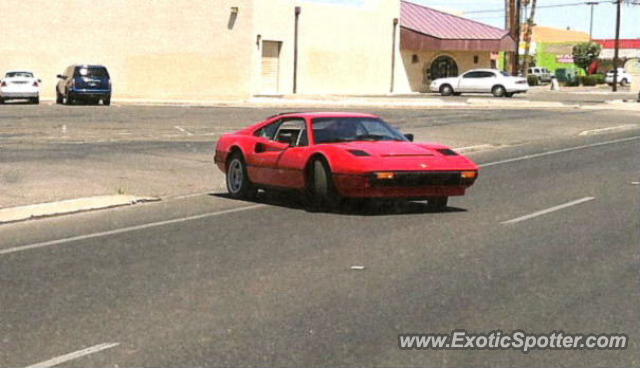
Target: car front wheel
[(624, 82), (446, 90), (322, 191), (238, 183)]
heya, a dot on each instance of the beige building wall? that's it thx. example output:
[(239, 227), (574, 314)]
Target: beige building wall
[(414, 78), (342, 49), (172, 50)]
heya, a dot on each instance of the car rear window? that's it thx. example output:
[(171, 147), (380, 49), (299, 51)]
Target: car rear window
[(19, 74), (91, 72)]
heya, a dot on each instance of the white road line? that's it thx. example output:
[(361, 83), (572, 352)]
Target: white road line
[(548, 210), (608, 129), (554, 152), (75, 355), (183, 130), (125, 229)]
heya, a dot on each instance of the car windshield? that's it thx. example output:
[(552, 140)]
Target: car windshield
[(19, 74), (92, 72), (349, 129)]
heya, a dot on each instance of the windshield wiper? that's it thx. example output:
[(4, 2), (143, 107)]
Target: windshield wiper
[(371, 137)]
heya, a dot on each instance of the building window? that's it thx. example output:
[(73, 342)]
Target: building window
[(415, 59), (476, 59)]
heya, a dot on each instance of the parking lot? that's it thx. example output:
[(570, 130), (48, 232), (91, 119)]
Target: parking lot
[(198, 279)]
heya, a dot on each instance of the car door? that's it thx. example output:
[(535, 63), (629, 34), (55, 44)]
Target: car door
[(468, 82), (291, 162), (264, 154), (485, 81)]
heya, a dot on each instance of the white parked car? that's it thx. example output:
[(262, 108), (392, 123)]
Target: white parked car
[(543, 74), (624, 78), (494, 81), (20, 85)]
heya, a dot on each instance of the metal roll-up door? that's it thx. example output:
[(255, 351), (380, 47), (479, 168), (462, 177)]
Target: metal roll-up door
[(270, 66)]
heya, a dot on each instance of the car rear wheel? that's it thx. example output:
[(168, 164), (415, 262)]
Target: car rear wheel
[(437, 203), (59, 98), (498, 91), (238, 183), (35, 100), (106, 101), (446, 90), (624, 82), (322, 192), (69, 100)]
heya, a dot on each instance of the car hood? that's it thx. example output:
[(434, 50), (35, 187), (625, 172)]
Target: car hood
[(389, 148), (404, 156)]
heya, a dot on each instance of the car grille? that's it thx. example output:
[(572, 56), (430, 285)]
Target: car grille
[(420, 179)]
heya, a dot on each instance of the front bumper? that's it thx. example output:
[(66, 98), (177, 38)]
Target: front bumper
[(408, 185)]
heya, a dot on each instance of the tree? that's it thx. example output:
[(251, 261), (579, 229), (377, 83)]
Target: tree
[(586, 53)]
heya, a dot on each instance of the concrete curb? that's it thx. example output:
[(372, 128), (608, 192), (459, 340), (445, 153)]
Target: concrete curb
[(22, 213)]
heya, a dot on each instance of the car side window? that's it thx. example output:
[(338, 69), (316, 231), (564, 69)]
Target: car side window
[(269, 131), (486, 75), (471, 75), (293, 131)]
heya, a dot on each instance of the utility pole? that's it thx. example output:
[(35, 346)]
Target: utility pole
[(617, 47), (515, 6), (530, 23), (592, 4), (507, 26)]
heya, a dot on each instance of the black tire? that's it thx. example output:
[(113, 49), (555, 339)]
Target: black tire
[(322, 193), (69, 100), (498, 91), (238, 184), (623, 83), (1, 101), (446, 90), (437, 203), (35, 100), (106, 101), (59, 98)]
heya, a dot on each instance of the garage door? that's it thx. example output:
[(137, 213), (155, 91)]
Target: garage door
[(270, 67)]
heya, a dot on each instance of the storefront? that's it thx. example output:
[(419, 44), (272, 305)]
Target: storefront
[(435, 44)]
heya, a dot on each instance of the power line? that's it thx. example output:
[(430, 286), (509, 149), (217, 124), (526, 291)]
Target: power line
[(551, 6)]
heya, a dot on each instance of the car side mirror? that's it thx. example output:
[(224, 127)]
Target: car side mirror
[(61, 76), (409, 136)]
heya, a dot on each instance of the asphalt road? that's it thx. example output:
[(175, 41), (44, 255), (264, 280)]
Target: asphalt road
[(207, 281)]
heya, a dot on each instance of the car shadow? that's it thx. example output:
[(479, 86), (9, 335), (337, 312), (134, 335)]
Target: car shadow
[(368, 207)]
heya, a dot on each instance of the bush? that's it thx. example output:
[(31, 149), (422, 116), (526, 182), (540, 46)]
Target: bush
[(589, 80), (599, 78), (573, 82), (533, 80)]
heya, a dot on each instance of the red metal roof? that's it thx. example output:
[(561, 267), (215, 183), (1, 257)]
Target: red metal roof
[(445, 26), (624, 44)]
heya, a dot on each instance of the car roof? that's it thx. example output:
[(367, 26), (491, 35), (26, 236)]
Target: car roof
[(313, 115), (483, 70), (18, 71), (88, 65)]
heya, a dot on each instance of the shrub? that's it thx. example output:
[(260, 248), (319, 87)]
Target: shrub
[(599, 78), (573, 82), (533, 80), (588, 80)]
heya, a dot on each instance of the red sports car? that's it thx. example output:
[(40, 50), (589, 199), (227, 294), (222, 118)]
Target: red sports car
[(330, 156)]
